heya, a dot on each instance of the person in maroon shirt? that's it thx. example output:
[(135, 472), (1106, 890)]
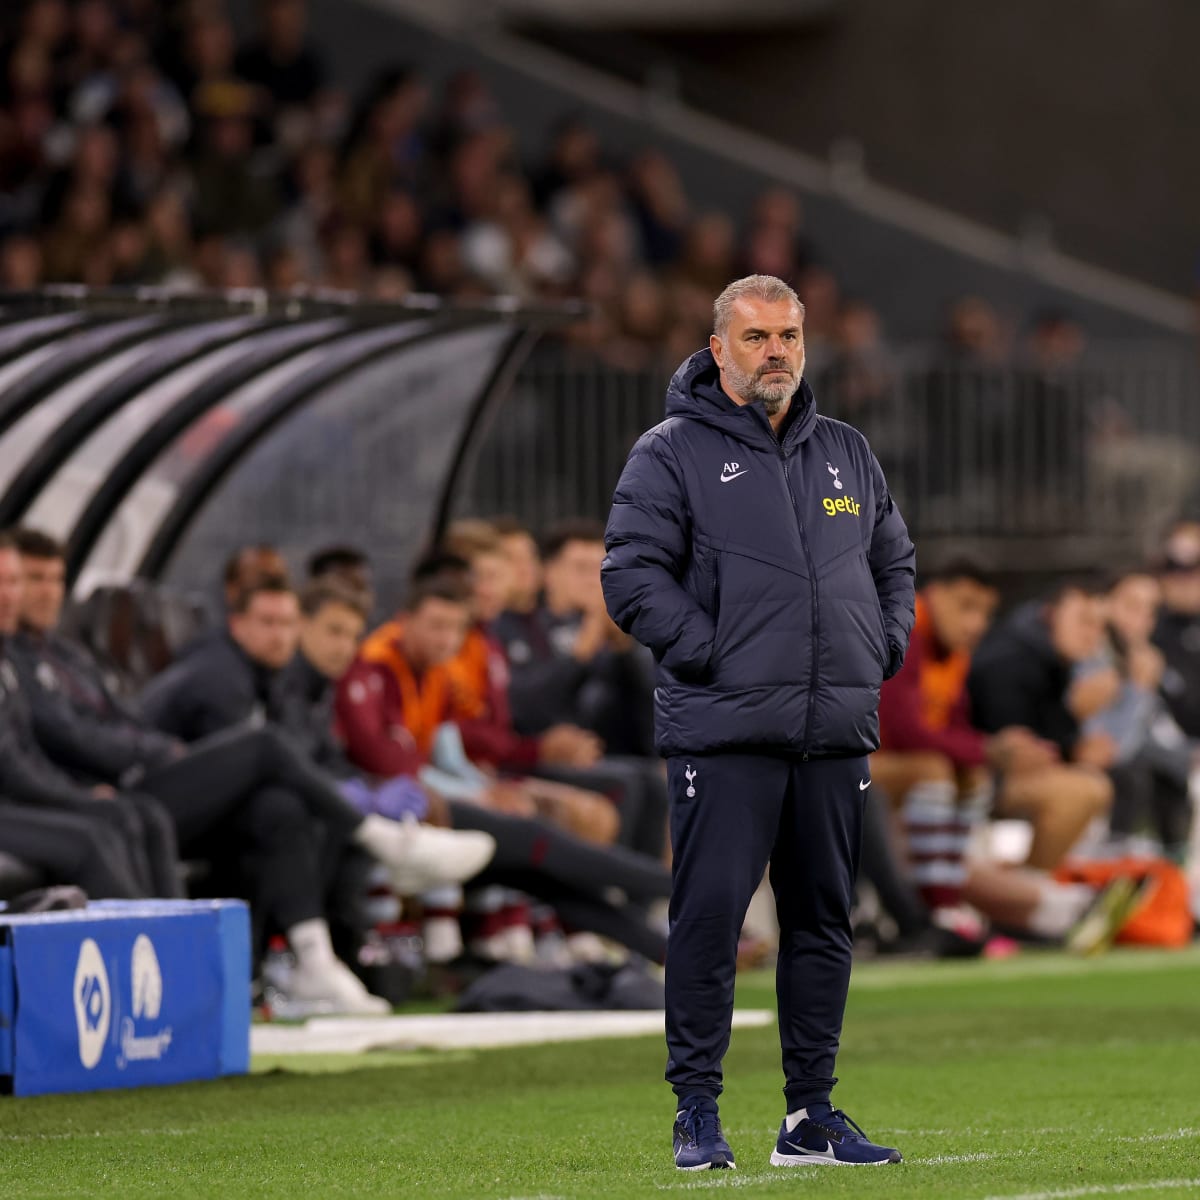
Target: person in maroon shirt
[(944, 773)]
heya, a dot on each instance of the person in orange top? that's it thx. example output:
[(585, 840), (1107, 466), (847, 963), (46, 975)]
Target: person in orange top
[(406, 683), (392, 700), (931, 760), (923, 708)]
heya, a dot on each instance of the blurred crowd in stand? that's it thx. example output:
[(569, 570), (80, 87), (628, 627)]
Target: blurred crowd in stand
[(142, 142)]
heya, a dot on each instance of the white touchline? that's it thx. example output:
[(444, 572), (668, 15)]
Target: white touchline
[(1173, 1135), (96, 1133), (731, 1179), (979, 1131), (987, 974), (1104, 1189), (941, 1160)]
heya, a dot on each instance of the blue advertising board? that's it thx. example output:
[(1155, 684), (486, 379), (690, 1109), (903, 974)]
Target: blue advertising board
[(124, 994)]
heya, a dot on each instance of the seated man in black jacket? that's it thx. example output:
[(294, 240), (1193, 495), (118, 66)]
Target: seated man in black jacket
[(243, 798), (28, 777), (1021, 676), (572, 678), (1178, 632), (568, 660)]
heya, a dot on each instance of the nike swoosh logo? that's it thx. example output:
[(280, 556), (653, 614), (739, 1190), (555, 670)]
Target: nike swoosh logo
[(726, 478), (864, 784), (826, 1153)]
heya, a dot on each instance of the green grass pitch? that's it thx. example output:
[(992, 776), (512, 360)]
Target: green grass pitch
[(1040, 1077)]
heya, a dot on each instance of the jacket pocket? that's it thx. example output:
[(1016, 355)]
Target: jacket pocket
[(882, 649)]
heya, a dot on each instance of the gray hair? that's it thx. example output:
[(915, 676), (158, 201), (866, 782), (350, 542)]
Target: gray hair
[(758, 287)]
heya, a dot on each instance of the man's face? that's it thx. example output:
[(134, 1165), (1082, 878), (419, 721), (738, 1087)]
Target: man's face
[(1133, 607), (1181, 581), (434, 632), (962, 610), (42, 600), (491, 582), (329, 638), (269, 629), (1077, 625), (526, 568), (573, 577), (11, 586), (761, 354)]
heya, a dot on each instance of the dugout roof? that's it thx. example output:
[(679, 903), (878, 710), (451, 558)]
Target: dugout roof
[(152, 432)]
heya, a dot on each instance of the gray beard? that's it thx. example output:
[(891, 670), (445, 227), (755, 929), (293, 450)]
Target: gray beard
[(774, 395)]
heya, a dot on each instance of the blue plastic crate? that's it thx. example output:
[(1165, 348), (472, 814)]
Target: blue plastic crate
[(124, 994)]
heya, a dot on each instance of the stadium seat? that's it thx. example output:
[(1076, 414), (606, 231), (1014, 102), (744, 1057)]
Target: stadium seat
[(137, 629)]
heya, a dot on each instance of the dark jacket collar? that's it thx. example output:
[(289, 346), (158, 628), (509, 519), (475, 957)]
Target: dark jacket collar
[(263, 677), (695, 393), (1029, 627), (311, 684)]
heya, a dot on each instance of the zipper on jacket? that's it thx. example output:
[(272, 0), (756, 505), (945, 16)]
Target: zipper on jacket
[(816, 618)]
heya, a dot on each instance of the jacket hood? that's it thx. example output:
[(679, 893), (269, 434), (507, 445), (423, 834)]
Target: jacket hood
[(695, 393)]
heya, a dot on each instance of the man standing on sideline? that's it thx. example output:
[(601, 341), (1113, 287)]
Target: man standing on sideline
[(754, 548)]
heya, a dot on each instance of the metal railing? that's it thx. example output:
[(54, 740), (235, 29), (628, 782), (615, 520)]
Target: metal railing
[(1035, 467)]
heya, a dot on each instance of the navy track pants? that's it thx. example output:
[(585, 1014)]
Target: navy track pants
[(731, 814)]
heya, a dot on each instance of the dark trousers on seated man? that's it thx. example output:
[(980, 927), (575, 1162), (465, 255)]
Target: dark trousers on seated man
[(71, 848), (250, 801)]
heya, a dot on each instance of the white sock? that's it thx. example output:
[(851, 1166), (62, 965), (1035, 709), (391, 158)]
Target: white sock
[(311, 944), (937, 841), (443, 898), (794, 1118), (1060, 906)]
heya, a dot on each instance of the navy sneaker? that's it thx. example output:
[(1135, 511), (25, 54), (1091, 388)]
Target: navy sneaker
[(829, 1139), (699, 1143)]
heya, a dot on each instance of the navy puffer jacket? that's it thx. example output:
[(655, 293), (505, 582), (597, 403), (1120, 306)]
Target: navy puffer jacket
[(773, 582)]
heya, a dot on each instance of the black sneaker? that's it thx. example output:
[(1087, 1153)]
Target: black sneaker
[(699, 1143)]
